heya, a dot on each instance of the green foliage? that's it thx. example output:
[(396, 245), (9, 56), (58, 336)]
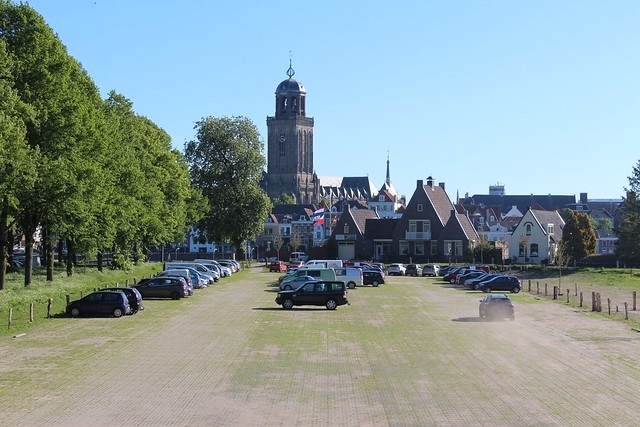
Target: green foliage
[(603, 224), (226, 164), (284, 199), (578, 236), (628, 226)]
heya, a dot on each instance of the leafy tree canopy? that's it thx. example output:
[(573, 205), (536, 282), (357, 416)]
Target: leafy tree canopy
[(226, 163), (628, 226), (578, 236)]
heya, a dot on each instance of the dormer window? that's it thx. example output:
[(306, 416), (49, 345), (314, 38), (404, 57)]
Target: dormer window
[(528, 229), (381, 198), (550, 228)]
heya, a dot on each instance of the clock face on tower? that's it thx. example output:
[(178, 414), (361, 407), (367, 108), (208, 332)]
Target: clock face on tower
[(282, 137)]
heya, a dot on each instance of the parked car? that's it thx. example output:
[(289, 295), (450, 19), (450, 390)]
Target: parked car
[(496, 306), (473, 283), (277, 266), (296, 282), (430, 270), (295, 264), (133, 296), (371, 277), (379, 265), (190, 277), (501, 283), (413, 270), (461, 279), (351, 276), (330, 294), (451, 275), (103, 302), (163, 287), (397, 269), (233, 265), (443, 271)]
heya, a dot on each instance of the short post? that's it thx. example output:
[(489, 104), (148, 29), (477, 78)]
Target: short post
[(537, 288), (593, 302), (529, 285), (581, 299), (626, 311), (567, 296), (609, 306), (555, 292), (31, 313), (49, 307), (68, 299), (635, 294), (10, 318), (576, 294), (546, 289)]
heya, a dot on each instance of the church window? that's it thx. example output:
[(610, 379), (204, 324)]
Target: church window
[(283, 151)]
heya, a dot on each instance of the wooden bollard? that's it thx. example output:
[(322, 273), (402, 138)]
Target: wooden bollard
[(635, 294), (555, 292), (10, 318), (581, 299), (546, 289), (31, 313), (593, 301), (49, 307), (567, 296), (609, 305), (576, 294), (537, 288), (626, 311), (529, 285)]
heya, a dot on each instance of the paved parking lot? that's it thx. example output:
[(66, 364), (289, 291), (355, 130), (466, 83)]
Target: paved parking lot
[(412, 352)]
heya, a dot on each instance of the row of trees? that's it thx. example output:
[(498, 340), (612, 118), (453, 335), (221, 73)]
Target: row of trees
[(75, 166)]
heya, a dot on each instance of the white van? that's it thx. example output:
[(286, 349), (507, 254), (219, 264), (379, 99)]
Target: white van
[(327, 263), (298, 256), (350, 276)]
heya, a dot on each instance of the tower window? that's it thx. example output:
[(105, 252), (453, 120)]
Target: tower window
[(283, 151)]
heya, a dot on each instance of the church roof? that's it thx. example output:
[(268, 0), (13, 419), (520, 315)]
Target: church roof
[(290, 85)]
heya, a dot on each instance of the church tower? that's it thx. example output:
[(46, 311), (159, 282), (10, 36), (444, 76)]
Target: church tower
[(290, 144)]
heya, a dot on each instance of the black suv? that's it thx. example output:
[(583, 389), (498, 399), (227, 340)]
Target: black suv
[(496, 306), (370, 277), (500, 283), (331, 294), (163, 287)]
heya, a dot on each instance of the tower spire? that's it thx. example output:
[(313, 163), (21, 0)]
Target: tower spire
[(388, 180), (290, 71)]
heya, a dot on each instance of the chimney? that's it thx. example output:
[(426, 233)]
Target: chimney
[(419, 184), (430, 181), (583, 197), (441, 184)]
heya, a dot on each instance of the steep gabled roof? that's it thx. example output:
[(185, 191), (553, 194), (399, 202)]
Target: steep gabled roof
[(439, 200), (295, 210), (360, 217), (549, 217), (504, 202)]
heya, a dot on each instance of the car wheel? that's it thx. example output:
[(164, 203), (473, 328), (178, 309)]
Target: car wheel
[(287, 287), (475, 286), (117, 312), (487, 290), (287, 304), (332, 304), (351, 285), (175, 295), (75, 312), (452, 281), (515, 289), (375, 283)]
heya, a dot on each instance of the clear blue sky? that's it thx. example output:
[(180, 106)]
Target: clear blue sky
[(541, 96)]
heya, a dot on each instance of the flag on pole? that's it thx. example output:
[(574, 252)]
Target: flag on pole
[(317, 215)]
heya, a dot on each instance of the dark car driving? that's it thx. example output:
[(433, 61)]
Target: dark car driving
[(330, 294), (163, 287), (100, 303), (496, 306)]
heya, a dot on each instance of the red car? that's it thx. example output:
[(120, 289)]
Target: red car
[(278, 267)]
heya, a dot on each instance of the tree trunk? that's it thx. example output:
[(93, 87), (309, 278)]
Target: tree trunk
[(4, 241), (99, 261), (28, 256), (70, 257)]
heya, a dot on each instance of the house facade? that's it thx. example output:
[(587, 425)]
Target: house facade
[(535, 239)]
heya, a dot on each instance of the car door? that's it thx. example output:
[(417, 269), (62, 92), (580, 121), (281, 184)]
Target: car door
[(307, 294)]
